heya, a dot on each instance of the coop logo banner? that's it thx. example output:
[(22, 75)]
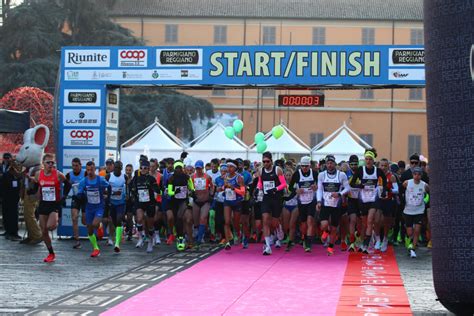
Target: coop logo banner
[(88, 118), (176, 57), (133, 58), (81, 137), (87, 58)]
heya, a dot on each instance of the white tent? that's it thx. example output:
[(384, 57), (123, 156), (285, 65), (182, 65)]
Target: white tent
[(288, 143), (342, 143), (155, 141), (214, 144)]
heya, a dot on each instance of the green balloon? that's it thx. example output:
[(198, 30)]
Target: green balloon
[(238, 126), (259, 137), (261, 147), (229, 132), (277, 131)]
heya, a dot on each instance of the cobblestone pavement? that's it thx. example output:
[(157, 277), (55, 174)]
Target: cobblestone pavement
[(26, 282), (418, 279)]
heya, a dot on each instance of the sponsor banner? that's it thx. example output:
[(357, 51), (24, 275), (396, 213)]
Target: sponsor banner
[(110, 154), (81, 137), (404, 74), (409, 57), (112, 119), (87, 58), (133, 58), (87, 118), (137, 75), (178, 57), (111, 138), (82, 97), (113, 98), (84, 155)]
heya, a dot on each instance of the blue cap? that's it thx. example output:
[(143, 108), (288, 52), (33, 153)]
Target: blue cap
[(199, 164)]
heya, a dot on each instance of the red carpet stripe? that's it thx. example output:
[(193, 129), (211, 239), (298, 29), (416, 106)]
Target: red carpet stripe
[(373, 286)]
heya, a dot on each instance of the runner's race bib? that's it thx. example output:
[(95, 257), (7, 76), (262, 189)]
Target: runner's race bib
[(200, 184), (368, 193), (49, 194), (268, 185), (415, 199), (143, 195), (292, 202), (183, 192), (230, 195), (116, 196), (329, 200), (93, 197), (75, 188), (260, 196), (307, 196)]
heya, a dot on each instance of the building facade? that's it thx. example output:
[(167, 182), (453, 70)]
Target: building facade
[(392, 120)]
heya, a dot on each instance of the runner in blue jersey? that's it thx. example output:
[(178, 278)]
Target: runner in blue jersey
[(75, 177), (91, 190), (218, 205)]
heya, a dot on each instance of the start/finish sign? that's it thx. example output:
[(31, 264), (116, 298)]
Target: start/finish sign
[(89, 98), (247, 65)]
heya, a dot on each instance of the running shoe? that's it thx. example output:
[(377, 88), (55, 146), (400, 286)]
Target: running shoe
[(50, 258), (429, 245), (384, 246), (412, 253), (157, 239), (307, 249), (180, 244), (278, 244), (324, 237), (95, 253), (110, 242), (149, 248), (170, 239), (116, 249), (140, 243), (352, 247), (289, 245), (343, 246), (245, 243), (77, 245), (330, 251), (222, 242), (227, 246), (267, 250), (378, 245)]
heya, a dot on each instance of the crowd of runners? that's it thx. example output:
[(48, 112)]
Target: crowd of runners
[(359, 205)]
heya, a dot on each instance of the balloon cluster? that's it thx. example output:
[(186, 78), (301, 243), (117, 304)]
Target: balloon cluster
[(236, 128), (277, 132)]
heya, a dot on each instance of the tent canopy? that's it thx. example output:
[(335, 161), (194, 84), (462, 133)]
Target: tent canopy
[(288, 143), (214, 144), (341, 143), (155, 141)]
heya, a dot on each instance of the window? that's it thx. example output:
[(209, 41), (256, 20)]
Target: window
[(171, 33), (316, 138), (269, 35), (416, 94), (414, 144), (220, 34), (319, 35), (268, 93), (367, 94), (368, 36), (218, 92), (368, 138), (416, 37)]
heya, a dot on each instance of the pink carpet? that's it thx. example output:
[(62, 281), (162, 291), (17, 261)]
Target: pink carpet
[(243, 282)]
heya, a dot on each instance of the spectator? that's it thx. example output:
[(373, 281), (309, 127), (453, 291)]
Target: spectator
[(10, 191)]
